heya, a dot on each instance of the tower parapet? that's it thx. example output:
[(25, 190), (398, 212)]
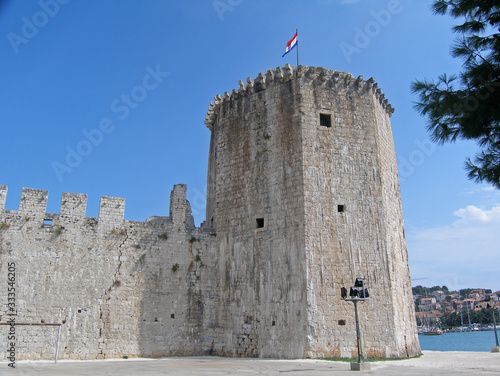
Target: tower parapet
[(324, 77)]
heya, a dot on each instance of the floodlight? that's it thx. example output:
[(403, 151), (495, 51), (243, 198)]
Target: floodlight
[(343, 292)]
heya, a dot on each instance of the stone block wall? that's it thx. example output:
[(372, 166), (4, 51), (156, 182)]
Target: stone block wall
[(119, 288), (354, 225), (328, 193)]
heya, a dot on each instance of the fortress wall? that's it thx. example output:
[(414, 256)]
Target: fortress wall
[(256, 167), (119, 288)]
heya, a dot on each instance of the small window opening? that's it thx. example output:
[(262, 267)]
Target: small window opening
[(325, 120), (273, 323), (172, 316), (47, 222), (260, 222), (342, 322), (340, 208)]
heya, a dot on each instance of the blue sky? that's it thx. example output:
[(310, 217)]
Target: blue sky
[(126, 85)]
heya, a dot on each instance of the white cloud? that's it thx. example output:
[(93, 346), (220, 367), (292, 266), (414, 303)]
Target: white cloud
[(472, 214), (462, 254)]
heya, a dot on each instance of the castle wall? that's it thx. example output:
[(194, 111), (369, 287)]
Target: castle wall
[(119, 288)]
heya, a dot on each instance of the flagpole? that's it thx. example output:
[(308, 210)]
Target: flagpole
[(297, 32)]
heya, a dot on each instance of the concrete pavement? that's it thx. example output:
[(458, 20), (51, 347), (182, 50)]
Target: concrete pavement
[(431, 363)]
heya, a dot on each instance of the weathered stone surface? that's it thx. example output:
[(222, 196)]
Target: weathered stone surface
[(330, 202), (119, 288), (295, 210)]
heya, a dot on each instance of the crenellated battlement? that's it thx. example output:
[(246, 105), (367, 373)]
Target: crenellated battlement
[(3, 196), (73, 204), (337, 80), (33, 204), (112, 209), (33, 201)]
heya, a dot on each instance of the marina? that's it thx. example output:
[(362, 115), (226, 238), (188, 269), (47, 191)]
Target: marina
[(459, 341)]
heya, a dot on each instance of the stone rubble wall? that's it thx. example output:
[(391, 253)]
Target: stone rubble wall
[(119, 288)]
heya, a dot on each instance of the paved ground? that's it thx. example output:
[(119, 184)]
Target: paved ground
[(431, 363)]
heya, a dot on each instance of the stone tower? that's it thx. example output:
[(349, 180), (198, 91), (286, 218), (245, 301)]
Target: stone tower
[(304, 195)]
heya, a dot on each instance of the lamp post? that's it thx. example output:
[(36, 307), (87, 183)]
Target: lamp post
[(358, 293), (497, 347)]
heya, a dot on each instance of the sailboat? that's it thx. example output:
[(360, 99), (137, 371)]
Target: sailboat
[(432, 325), (434, 331)]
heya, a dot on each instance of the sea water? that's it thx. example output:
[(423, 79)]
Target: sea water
[(459, 341)]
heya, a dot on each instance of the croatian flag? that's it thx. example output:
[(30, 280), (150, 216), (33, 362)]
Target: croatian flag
[(291, 44)]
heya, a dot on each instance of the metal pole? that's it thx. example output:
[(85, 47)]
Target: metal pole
[(358, 337), (495, 326), (57, 344), (297, 31)]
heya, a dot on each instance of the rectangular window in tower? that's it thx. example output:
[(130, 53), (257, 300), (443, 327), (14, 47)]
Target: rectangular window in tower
[(325, 120), (260, 222), (341, 208)]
